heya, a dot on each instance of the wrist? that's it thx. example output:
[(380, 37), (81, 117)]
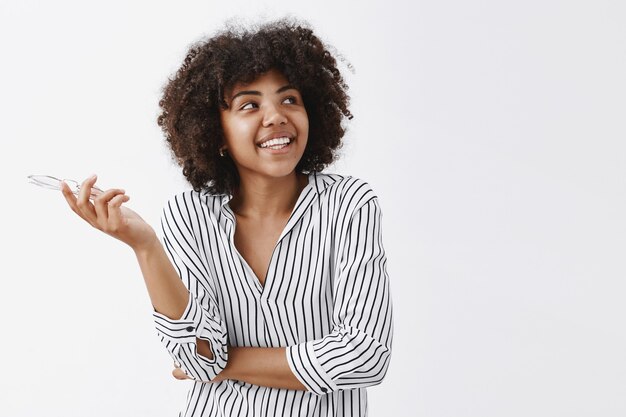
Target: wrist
[(230, 371), (147, 247)]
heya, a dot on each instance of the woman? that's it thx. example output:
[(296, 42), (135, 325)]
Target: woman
[(270, 289)]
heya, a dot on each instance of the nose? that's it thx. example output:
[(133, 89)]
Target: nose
[(273, 116)]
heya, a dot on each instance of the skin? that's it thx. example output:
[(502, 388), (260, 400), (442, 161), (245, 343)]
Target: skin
[(268, 190), (269, 182)]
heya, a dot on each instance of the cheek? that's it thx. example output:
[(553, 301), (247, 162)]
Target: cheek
[(302, 123), (236, 131)]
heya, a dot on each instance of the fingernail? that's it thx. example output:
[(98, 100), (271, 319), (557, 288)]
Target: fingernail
[(93, 176)]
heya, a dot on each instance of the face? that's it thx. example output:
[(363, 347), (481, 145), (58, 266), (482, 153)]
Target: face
[(265, 126)]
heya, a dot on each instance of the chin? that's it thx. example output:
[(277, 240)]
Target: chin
[(279, 172)]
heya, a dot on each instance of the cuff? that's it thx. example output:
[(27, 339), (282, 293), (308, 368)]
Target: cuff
[(304, 364), (183, 330)]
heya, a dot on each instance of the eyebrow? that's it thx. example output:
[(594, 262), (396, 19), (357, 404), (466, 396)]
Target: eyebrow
[(258, 93)]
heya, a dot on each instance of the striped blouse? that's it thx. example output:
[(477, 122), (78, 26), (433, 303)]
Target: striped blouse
[(326, 299)]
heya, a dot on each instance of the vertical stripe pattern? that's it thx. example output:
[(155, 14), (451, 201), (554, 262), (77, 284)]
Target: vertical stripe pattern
[(326, 298)]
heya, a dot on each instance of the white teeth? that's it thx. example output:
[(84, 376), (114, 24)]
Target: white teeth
[(275, 141), (278, 146)]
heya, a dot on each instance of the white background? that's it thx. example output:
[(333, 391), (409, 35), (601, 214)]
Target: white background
[(494, 133)]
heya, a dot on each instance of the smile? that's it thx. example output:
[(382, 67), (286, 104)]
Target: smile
[(276, 143)]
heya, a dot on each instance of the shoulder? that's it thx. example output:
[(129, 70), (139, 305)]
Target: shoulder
[(189, 213), (347, 192), (182, 199), (188, 204)]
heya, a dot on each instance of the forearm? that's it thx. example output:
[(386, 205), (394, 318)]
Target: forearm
[(165, 288), (168, 294), (263, 366)]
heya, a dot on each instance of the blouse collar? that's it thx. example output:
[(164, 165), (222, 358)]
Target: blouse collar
[(317, 180)]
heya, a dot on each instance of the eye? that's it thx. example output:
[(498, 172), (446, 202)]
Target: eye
[(246, 106), (293, 100)]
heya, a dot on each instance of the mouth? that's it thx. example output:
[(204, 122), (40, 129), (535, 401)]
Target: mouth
[(277, 144)]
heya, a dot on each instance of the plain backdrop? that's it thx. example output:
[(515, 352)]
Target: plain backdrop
[(492, 131)]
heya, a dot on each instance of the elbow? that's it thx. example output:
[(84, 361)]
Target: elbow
[(343, 360), (377, 371), (371, 372), (382, 373)]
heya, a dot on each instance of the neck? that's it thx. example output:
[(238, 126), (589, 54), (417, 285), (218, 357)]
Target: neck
[(263, 197)]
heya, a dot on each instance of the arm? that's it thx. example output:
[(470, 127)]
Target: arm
[(167, 292), (194, 334), (265, 366), (189, 330), (357, 352)]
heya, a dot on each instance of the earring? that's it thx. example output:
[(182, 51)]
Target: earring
[(223, 152)]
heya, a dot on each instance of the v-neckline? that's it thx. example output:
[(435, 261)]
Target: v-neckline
[(261, 288)]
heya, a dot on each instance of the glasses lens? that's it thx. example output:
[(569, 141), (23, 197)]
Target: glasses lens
[(52, 183), (45, 181), (74, 186)]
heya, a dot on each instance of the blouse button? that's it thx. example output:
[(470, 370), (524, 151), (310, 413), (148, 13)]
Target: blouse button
[(324, 390), (189, 329)]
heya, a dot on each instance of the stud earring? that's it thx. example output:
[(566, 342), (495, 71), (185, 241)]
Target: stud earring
[(223, 152)]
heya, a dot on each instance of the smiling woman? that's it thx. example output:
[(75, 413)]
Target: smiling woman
[(270, 289), (265, 126)]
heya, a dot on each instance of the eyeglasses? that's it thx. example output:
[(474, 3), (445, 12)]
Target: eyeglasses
[(52, 183)]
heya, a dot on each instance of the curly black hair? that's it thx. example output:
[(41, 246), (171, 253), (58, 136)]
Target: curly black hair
[(190, 116)]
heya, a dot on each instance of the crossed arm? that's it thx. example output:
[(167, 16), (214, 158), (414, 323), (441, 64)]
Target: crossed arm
[(255, 365)]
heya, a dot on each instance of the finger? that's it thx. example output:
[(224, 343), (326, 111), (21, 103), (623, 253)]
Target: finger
[(72, 201), (69, 197), (101, 204), (83, 203), (116, 219), (179, 374)]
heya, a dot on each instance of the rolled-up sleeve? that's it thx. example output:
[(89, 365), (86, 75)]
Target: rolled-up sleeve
[(201, 318), (357, 352)]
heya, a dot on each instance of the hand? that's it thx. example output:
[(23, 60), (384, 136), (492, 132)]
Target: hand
[(107, 214), (179, 374)]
